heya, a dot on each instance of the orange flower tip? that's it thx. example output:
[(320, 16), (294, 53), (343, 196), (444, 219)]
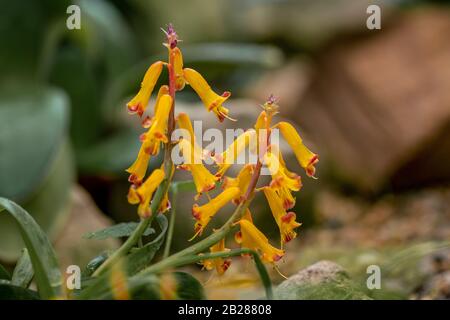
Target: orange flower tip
[(147, 122), (288, 204), (277, 257), (142, 137), (226, 94), (149, 150), (310, 169), (161, 136), (133, 178), (225, 265), (134, 108), (195, 212), (209, 188), (288, 217), (288, 237), (276, 183)]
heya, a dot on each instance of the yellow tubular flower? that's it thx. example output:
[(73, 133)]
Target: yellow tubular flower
[(305, 157), (185, 123), (230, 155), (283, 181), (144, 193), (220, 264), (152, 139), (178, 68), (139, 103), (242, 181), (285, 221), (204, 213), (254, 239), (165, 203), (118, 282), (204, 181), (211, 100)]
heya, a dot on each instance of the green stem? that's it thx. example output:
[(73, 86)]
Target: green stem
[(137, 234), (162, 190), (173, 212)]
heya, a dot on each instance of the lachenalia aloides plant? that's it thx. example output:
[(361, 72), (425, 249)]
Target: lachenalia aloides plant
[(150, 192)]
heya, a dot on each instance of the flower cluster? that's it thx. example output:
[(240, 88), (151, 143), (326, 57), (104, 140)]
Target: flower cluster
[(141, 190), (235, 190), (279, 192)]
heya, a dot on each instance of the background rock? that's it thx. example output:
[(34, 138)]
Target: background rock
[(379, 108), (322, 280)]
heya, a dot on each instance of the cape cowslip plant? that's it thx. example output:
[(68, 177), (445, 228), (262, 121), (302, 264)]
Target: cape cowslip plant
[(128, 272), (239, 190)]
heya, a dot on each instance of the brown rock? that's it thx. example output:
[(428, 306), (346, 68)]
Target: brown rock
[(380, 109)]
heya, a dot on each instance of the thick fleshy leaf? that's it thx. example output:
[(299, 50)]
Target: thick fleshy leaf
[(124, 229), (32, 126), (48, 206), (42, 255), (23, 272)]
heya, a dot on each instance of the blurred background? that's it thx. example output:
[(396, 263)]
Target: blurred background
[(375, 104)]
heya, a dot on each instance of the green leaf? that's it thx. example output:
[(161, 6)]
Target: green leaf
[(188, 287), (141, 257), (12, 292), (32, 125), (23, 272), (48, 206), (42, 255), (4, 274), (124, 229), (138, 259)]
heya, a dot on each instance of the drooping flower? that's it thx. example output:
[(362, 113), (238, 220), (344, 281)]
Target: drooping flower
[(242, 181), (211, 100), (118, 282), (204, 213), (227, 158), (185, 123), (139, 103), (143, 194), (165, 204), (305, 157), (152, 139), (250, 237), (177, 59), (204, 181), (220, 264), (285, 220), (283, 181)]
